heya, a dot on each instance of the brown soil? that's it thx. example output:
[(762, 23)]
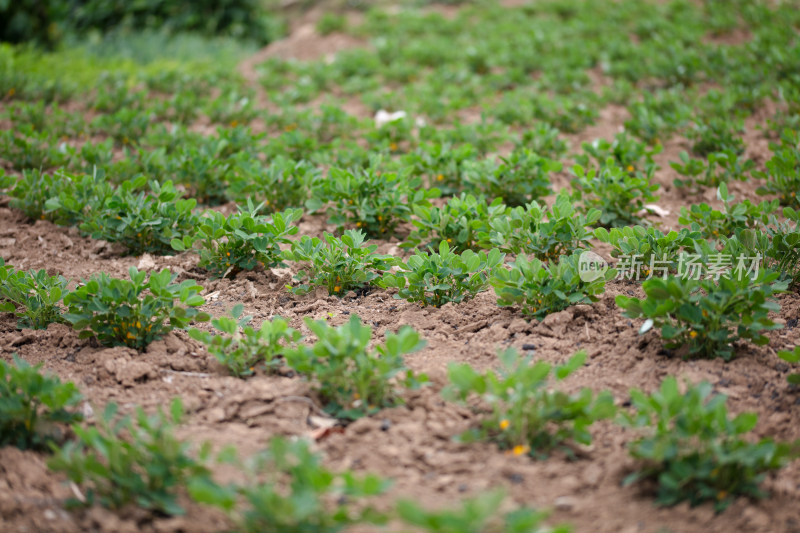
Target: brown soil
[(413, 445)]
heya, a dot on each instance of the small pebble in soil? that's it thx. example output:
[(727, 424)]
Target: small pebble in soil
[(791, 323), (516, 479), (528, 346), (386, 424), (463, 487)]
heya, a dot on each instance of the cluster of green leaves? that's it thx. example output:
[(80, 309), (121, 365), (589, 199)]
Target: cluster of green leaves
[(791, 356), (712, 223), (617, 193), (372, 200), (32, 405), (543, 288), (133, 313), (352, 381), (461, 222), (442, 163), (627, 152), (783, 170), (32, 296), (141, 221), (648, 247), (437, 278), (240, 241), (527, 417), (32, 190), (694, 451), (281, 184), (27, 148), (720, 168), (120, 462), (517, 179), (707, 316), (290, 490), (476, 514), (546, 233), (243, 348), (338, 264), (49, 21)]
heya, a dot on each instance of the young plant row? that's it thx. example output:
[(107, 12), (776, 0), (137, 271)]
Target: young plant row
[(685, 442)]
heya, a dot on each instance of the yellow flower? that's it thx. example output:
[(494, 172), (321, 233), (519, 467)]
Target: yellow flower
[(504, 424), (521, 449), (138, 324), (11, 92), (393, 147), (356, 395), (234, 123), (337, 288), (705, 313), (630, 168), (440, 177), (229, 254), (130, 335), (693, 334), (721, 495), (449, 240)]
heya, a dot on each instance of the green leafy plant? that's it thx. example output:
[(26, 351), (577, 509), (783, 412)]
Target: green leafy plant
[(143, 222), (617, 193), (717, 135), (712, 223), (353, 382), (32, 405), (77, 197), (442, 163), (32, 190), (133, 313), (783, 252), (791, 356), (438, 278), (721, 168), (26, 148), (239, 241), (339, 264), (459, 222), (476, 515), (546, 233), (647, 250), (32, 296), (783, 170), (330, 23), (707, 316), (282, 184), (518, 179), (243, 348), (542, 288), (373, 201), (694, 451), (627, 153), (525, 417), (289, 490), (120, 462)]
